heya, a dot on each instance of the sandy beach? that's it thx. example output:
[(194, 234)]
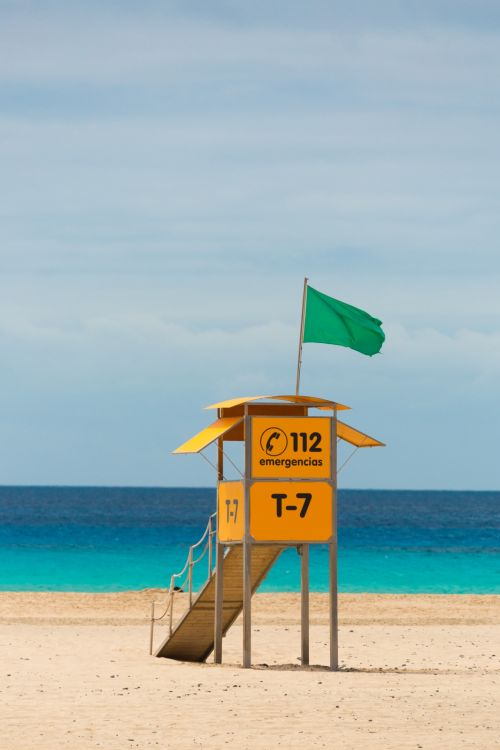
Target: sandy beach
[(416, 672)]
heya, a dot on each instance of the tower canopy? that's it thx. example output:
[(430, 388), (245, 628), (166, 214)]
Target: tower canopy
[(229, 425)]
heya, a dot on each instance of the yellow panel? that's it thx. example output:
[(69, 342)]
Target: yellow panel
[(230, 512), (293, 399), (355, 437), (291, 511), (208, 435), (292, 447)]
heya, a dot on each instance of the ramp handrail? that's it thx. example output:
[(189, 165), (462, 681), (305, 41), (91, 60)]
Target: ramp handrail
[(208, 534)]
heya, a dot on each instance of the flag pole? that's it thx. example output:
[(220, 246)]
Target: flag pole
[(301, 336)]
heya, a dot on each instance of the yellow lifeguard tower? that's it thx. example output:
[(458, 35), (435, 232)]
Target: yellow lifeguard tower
[(287, 496)]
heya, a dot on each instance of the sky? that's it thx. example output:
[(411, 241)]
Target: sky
[(170, 172)]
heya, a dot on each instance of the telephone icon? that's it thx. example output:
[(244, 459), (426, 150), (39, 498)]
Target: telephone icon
[(273, 441), (270, 441)]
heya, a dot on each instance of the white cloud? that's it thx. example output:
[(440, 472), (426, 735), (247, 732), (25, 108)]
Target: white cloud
[(99, 48), (167, 181)]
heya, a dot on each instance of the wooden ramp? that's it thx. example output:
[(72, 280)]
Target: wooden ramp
[(193, 637)]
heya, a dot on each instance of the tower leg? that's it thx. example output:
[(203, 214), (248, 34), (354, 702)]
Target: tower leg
[(304, 605), (334, 629), (219, 599), (247, 604)]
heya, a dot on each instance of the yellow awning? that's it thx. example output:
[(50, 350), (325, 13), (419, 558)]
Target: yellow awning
[(325, 403), (234, 402), (208, 435), (355, 437)]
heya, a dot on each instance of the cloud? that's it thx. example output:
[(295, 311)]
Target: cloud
[(149, 378), (169, 175), (122, 65)]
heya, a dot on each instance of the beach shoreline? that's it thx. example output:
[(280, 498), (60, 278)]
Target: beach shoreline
[(134, 607), (416, 671)]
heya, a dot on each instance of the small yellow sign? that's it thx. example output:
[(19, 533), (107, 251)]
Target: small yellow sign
[(291, 511), (230, 512), (292, 447)]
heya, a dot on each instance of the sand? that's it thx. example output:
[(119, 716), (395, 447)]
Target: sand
[(416, 672)]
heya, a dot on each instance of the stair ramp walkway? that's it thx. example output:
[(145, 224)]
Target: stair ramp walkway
[(192, 637)]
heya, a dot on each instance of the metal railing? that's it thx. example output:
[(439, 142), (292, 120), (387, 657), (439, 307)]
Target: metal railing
[(187, 581)]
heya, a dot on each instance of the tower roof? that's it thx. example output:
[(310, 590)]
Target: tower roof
[(229, 425)]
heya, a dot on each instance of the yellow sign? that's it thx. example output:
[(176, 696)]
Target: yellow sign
[(291, 511), (293, 447), (230, 513)]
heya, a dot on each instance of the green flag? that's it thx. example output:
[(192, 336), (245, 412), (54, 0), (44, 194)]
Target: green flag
[(330, 321)]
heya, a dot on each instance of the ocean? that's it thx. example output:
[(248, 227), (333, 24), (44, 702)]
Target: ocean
[(114, 539)]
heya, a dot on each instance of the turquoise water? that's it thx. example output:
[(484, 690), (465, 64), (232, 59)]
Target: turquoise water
[(112, 539)]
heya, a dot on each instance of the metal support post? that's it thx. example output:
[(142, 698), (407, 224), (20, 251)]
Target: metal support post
[(304, 605), (247, 604), (301, 335), (171, 613), (190, 577), (247, 551), (334, 630), (220, 456), (210, 563), (151, 628), (219, 565), (334, 625), (219, 599)]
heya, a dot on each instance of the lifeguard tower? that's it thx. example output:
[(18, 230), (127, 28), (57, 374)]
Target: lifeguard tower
[(286, 497)]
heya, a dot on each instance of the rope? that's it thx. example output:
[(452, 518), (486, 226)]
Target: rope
[(163, 615), (188, 570), (205, 548)]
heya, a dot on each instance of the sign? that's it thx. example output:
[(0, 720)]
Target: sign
[(292, 447), (291, 511), (230, 511)]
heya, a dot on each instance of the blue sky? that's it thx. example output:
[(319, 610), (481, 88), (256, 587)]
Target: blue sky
[(169, 174)]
